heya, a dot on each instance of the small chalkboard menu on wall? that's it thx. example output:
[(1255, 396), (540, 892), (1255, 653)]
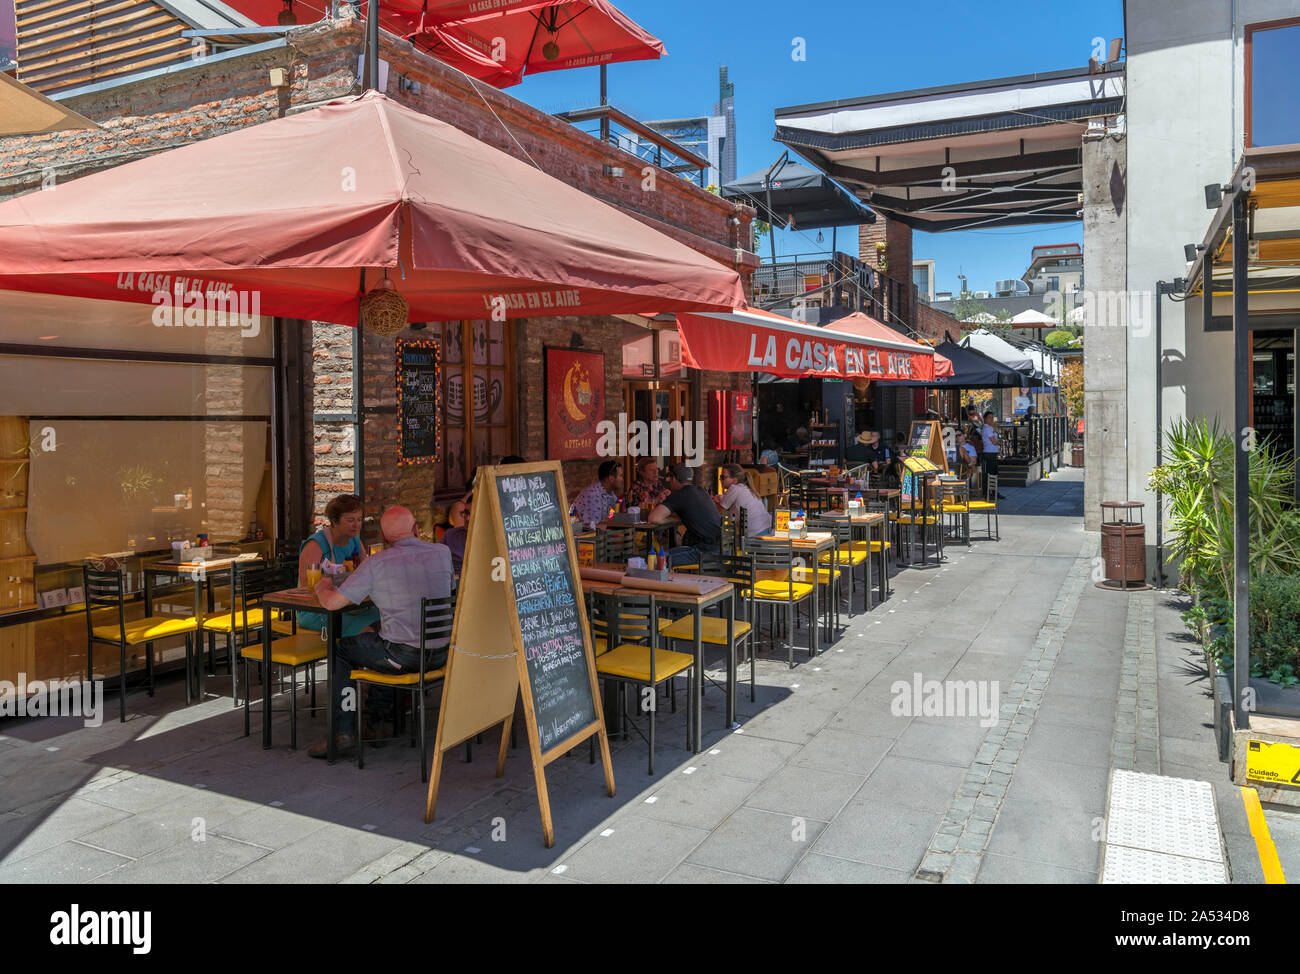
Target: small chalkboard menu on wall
[(546, 602), (520, 630), (419, 401)]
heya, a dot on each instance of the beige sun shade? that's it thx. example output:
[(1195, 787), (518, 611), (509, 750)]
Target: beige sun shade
[(27, 112)]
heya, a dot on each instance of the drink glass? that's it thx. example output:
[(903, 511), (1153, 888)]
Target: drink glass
[(313, 575)]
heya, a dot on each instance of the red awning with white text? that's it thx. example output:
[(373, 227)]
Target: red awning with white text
[(750, 340)]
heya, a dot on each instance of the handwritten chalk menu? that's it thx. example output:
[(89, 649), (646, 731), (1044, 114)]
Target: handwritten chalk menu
[(546, 602), (919, 445), (927, 443), (419, 401), (520, 632)]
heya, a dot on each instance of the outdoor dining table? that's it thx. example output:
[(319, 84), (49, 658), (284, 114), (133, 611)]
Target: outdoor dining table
[(202, 573), (813, 543), (642, 530), (303, 599), (716, 591), (871, 522)]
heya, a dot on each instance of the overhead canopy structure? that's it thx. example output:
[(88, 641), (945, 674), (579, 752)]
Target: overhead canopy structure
[(802, 195), (27, 112), (982, 154), (1273, 268), (868, 327), (972, 370), (511, 38), (294, 211), (749, 340), (999, 349)]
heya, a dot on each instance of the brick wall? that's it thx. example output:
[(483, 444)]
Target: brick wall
[(932, 324), (897, 238)]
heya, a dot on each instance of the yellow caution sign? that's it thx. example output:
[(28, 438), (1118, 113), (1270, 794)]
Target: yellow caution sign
[(1273, 762)]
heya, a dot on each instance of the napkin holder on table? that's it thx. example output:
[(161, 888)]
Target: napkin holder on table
[(650, 574)]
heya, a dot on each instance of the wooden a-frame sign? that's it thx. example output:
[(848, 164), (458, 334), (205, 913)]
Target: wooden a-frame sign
[(927, 442), (520, 628)]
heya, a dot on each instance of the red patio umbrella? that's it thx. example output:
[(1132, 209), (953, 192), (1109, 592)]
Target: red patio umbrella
[(858, 323), (518, 37), (292, 211)]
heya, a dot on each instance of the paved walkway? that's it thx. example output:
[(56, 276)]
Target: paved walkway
[(825, 780)]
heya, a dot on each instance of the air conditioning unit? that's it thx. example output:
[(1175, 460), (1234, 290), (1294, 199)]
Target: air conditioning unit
[(983, 294), (1012, 287)]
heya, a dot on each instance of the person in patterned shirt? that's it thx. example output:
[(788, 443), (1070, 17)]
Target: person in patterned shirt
[(647, 490), (597, 499)]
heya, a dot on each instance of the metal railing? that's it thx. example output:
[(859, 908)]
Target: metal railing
[(622, 131)]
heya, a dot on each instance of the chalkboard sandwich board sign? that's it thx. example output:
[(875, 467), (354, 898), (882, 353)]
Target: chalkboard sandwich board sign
[(419, 401), (927, 443), (521, 629)]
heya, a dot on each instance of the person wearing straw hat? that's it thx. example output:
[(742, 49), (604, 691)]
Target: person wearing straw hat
[(877, 454)]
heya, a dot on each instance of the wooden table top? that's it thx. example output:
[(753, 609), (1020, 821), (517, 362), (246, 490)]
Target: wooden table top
[(172, 565), (672, 522), (713, 587), (813, 539), (296, 598)]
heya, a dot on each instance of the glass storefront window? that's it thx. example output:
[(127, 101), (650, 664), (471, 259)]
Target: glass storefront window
[(1273, 78)]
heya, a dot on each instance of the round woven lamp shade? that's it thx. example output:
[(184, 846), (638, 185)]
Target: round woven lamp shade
[(383, 310)]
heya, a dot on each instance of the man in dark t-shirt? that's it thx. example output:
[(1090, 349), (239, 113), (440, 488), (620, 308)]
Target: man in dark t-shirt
[(697, 511)]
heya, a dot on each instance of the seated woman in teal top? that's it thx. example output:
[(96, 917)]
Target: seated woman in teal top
[(337, 542)]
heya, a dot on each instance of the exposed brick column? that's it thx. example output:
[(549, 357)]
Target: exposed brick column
[(897, 259)]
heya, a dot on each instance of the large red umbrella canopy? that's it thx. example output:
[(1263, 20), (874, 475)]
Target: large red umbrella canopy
[(293, 210), (751, 340), (858, 323), (499, 41)]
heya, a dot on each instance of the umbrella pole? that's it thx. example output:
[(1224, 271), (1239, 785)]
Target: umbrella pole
[(370, 77)]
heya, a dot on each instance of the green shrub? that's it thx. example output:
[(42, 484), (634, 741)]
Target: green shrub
[(1274, 628)]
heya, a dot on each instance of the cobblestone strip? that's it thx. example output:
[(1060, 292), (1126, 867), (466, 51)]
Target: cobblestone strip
[(1136, 743), (957, 848)]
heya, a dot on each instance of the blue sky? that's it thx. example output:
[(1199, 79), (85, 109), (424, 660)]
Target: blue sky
[(853, 48)]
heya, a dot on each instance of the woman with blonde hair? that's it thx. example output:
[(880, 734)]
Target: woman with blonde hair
[(737, 494)]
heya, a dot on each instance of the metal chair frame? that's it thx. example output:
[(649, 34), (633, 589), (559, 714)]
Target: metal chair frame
[(437, 617), (107, 589)]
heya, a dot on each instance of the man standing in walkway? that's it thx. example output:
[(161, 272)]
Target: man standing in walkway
[(395, 580), (989, 455)]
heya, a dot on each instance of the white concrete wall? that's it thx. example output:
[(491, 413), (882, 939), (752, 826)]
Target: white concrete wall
[(1186, 116), (1179, 139)]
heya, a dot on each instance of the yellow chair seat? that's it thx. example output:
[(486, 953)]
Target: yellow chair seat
[(224, 622), (823, 575), (875, 545), (855, 557), (305, 647), (955, 508), (630, 661), (148, 629), (397, 679), (712, 629), (917, 520), (982, 505), (776, 590)]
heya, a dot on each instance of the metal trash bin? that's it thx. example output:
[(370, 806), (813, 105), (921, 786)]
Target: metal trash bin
[(1123, 547), (1076, 454)]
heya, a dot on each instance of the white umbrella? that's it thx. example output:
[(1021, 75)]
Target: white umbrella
[(997, 348)]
